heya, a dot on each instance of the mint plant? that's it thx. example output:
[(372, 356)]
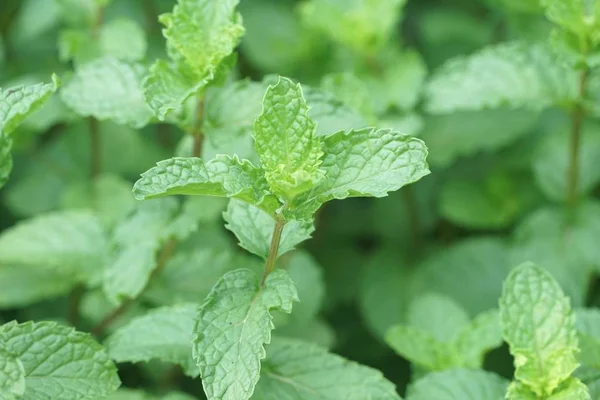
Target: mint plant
[(169, 177)]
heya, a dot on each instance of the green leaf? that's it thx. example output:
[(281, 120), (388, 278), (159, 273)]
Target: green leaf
[(361, 25), (59, 362), (307, 276), (539, 326), (316, 331), (367, 163), (437, 314), (551, 162), (511, 74), (352, 91), (168, 85), (302, 371), (19, 102), (12, 375), (123, 39), (6, 161), (285, 141), (421, 348), (224, 176), (254, 229), (70, 242), (203, 32), (578, 16), (137, 239), (587, 324), (571, 389), (233, 324), (107, 88), (480, 336), (458, 384), (163, 333)]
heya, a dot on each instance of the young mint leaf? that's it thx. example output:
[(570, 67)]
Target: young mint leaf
[(163, 333), (107, 88), (254, 229), (366, 163), (458, 384), (481, 335), (587, 324), (298, 370), (59, 362), (12, 375), (6, 161), (580, 17), (233, 324), (515, 74), (168, 85), (571, 389), (123, 39), (285, 141), (19, 102), (362, 25), (224, 176), (203, 32), (539, 326), (421, 348), (437, 314), (71, 242), (137, 239)]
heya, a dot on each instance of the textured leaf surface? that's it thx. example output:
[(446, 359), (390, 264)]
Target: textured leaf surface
[(223, 176), (515, 74), (107, 88), (59, 362), (296, 370), (367, 163), (12, 375), (331, 114), (458, 384), (204, 32), (6, 161), (254, 229), (285, 141), (232, 327), (544, 343), (69, 241), (163, 333), (19, 102)]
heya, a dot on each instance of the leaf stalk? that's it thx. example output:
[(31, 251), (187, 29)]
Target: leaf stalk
[(273, 249)]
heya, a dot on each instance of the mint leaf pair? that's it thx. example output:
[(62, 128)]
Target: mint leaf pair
[(439, 335), (47, 361), (539, 326)]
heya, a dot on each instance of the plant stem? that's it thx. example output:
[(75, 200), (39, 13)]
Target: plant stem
[(273, 249), (197, 129), (577, 117), (163, 257), (95, 146)]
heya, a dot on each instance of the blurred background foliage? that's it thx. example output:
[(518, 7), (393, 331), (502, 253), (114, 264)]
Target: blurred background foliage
[(493, 200)]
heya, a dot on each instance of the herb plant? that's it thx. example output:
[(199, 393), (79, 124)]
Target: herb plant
[(140, 140)]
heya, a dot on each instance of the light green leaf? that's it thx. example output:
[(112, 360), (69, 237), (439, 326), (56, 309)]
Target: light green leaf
[(6, 161), (233, 324), (302, 371), (137, 239), (169, 85), (224, 176), (285, 141), (19, 102), (362, 25), (367, 163), (421, 348), (509, 74), (71, 242), (352, 91), (551, 162), (578, 16), (254, 229), (123, 39), (437, 314), (307, 276), (458, 384), (587, 323), (572, 389), (316, 331), (203, 32), (163, 333), (107, 88), (12, 375), (480, 336), (544, 343), (59, 362)]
